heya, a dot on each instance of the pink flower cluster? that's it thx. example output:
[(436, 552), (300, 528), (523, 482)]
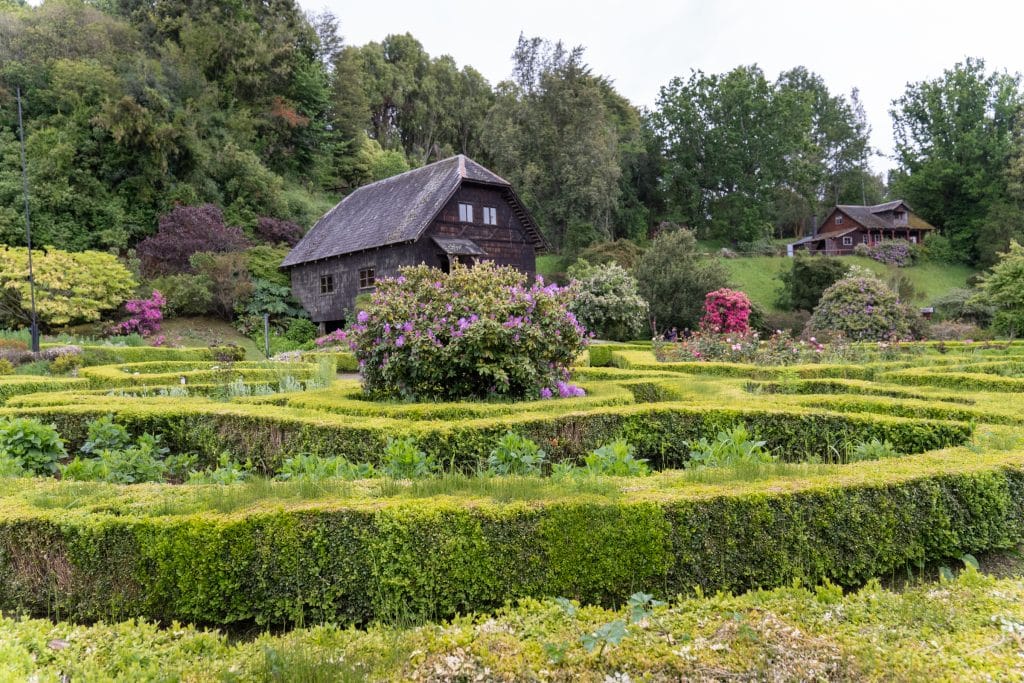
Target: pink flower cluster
[(146, 315), (726, 311)]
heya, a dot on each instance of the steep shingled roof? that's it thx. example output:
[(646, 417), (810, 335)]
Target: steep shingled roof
[(880, 217), (397, 209)]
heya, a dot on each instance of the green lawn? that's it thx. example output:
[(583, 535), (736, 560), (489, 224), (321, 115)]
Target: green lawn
[(758, 277), (205, 331)]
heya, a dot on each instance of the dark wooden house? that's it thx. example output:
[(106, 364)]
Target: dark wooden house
[(847, 225), (454, 210)]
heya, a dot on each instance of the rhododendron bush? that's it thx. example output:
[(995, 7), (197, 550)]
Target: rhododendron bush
[(726, 310), (862, 309), (477, 332)]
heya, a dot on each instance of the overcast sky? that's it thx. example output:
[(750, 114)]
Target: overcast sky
[(875, 45)]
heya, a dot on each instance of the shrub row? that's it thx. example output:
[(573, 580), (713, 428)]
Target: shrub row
[(953, 380), (102, 551), (266, 432), (165, 373), (16, 385), (109, 355)]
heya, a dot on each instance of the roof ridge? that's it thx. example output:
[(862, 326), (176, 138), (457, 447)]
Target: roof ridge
[(399, 175)]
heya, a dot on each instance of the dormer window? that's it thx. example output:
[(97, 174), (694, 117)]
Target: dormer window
[(839, 220), (465, 213), (490, 215)]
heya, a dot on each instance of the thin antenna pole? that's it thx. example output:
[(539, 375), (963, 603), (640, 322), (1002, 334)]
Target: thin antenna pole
[(28, 230)]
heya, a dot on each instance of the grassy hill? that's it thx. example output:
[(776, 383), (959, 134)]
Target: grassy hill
[(758, 277)]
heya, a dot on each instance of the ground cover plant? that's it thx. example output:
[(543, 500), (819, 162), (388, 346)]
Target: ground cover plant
[(968, 628)]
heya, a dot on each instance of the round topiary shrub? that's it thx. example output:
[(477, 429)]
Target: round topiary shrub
[(477, 332), (860, 308)]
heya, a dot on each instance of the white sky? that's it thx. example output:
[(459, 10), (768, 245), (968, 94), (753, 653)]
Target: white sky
[(878, 46)]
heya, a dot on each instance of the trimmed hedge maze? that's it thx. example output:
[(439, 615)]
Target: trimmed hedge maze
[(358, 551)]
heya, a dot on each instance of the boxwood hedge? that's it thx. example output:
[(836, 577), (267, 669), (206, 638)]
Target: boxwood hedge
[(90, 551)]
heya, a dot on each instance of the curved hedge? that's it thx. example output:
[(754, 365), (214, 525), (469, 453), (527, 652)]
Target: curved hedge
[(267, 433), (104, 551)]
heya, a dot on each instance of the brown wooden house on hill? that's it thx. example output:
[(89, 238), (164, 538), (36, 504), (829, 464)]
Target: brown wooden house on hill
[(454, 210), (848, 225)]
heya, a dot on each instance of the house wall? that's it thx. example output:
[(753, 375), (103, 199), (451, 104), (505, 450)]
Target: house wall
[(506, 244), (829, 224), (335, 306)]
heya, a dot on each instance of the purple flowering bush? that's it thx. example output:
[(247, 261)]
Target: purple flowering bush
[(898, 253), (862, 309), (146, 315), (475, 333)]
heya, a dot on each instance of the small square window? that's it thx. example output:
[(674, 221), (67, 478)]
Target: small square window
[(366, 278), (326, 284), (847, 241), (466, 213), (839, 220), (490, 215)]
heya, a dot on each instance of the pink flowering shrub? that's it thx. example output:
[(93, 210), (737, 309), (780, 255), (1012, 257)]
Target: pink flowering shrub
[(477, 332), (726, 310), (146, 316)]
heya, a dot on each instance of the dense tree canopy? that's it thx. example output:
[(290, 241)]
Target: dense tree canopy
[(136, 107), (958, 153), (745, 156)]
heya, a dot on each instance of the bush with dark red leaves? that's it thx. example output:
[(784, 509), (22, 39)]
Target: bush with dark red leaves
[(185, 231), (277, 231)]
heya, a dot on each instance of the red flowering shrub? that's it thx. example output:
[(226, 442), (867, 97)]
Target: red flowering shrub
[(185, 231), (726, 311)]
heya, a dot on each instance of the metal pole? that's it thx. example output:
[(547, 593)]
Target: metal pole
[(28, 231), (266, 335)]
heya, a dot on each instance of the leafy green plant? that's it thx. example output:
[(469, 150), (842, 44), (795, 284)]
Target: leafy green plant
[(227, 472), (612, 633), (36, 446), (404, 460), (641, 606), (104, 434), (616, 459), (140, 462), (6, 367), (515, 454), (10, 467), (304, 467), (731, 447), (871, 450)]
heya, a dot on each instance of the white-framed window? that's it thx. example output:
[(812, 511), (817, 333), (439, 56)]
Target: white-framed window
[(490, 215), (913, 239), (466, 213), (865, 238), (847, 241), (839, 220)]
